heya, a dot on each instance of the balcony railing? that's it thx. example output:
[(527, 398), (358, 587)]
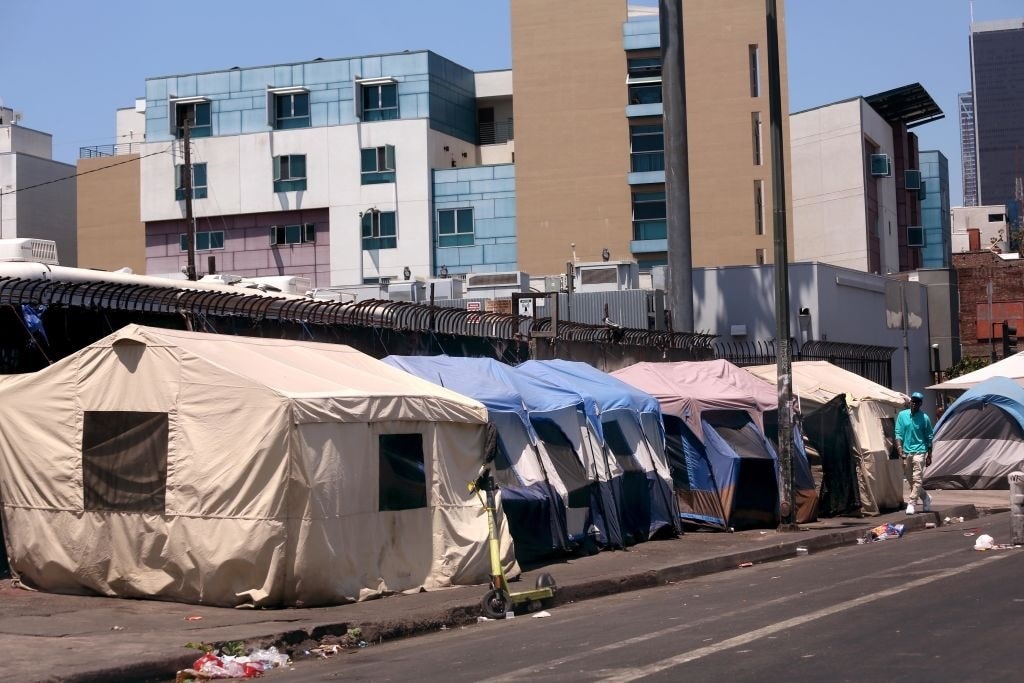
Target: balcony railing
[(495, 133), (113, 150)]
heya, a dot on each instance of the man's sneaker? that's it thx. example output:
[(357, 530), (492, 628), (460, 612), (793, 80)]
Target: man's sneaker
[(910, 509), (927, 503)]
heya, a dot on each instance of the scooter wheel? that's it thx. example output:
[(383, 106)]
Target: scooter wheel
[(496, 603)]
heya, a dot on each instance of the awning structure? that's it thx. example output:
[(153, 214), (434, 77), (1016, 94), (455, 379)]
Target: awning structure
[(910, 105)]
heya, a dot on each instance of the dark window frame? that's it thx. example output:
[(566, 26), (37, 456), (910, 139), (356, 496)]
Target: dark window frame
[(202, 119), (206, 240), (200, 188), (379, 230), (287, 235), (457, 236), (290, 173), (291, 110)]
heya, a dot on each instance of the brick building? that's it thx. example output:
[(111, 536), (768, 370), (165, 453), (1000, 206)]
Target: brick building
[(980, 323)]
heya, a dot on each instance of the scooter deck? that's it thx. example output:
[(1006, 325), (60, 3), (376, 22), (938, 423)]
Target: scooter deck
[(530, 595)]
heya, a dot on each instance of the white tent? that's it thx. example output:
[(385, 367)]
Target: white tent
[(1011, 367), (239, 471), (872, 409)]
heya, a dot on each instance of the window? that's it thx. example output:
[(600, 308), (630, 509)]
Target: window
[(205, 241), (198, 182), (995, 218), (758, 207), (379, 230), (754, 55), (378, 165), (291, 110), (647, 148), (402, 474), (455, 227), (915, 236), (292, 234), (124, 461), (649, 216), (759, 256), (290, 173), (643, 80), (912, 179), (199, 113), (755, 132), (881, 166), (380, 101)]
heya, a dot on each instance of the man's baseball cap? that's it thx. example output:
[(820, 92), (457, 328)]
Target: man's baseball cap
[(917, 396)]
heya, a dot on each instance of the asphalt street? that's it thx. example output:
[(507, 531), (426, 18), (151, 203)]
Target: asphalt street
[(923, 607)]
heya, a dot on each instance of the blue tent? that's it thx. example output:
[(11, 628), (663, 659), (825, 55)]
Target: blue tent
[(551, 499), (980, 438), (629, 426)]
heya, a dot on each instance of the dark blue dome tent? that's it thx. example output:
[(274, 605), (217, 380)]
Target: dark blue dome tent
[(629, 425)]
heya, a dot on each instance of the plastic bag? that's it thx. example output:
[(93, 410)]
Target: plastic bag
[(984, 542)]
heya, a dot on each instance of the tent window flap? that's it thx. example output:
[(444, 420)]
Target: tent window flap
[(403, 476), (124, 461)]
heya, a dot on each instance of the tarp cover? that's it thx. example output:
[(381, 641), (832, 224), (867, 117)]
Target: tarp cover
[(980, 438), (239, 471)]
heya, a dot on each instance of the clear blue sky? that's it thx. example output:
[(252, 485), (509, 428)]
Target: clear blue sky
[(69, 65)]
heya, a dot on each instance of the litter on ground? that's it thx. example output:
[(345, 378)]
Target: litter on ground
[(882, 532)]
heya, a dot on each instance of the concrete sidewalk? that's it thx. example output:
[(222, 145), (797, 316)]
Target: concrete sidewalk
[(75, 638)]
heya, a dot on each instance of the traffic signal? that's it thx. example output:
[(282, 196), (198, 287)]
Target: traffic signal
[(1009, 339)]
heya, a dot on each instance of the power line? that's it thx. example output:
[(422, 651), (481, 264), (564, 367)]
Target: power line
[(75, 175)]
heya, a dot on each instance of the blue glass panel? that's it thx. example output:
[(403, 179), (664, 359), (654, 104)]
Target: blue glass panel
[(378, 178), (289, 185), (650, 230)]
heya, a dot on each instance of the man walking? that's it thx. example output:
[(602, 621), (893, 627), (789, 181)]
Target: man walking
[(914, 444)]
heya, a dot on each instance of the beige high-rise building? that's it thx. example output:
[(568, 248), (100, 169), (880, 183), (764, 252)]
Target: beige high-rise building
[(589, 131)]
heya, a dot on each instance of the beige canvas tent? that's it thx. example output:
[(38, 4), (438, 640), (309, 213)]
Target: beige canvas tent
[(872, 409), (239, 471)]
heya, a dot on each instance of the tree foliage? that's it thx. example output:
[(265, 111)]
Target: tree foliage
[(965, 365)]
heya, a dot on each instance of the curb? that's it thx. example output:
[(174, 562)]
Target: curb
[(428, 620)]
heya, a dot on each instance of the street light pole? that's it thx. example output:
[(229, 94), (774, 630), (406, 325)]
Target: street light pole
[(783, 351)]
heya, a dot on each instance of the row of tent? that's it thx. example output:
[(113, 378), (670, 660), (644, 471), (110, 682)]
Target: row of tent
[(230, 470), (979, 440)]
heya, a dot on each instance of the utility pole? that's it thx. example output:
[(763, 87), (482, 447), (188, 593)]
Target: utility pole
[(186, 183), (782, 349), (677, 171)]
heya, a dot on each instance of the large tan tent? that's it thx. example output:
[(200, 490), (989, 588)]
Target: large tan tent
[(239, 471), (872, 409)]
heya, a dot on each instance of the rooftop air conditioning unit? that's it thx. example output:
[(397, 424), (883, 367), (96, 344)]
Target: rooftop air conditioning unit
[(915, 236), (881, 165), (406, 290), (607, 276), (492, 285), (29, 249), (554, 283), (445, 288)]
